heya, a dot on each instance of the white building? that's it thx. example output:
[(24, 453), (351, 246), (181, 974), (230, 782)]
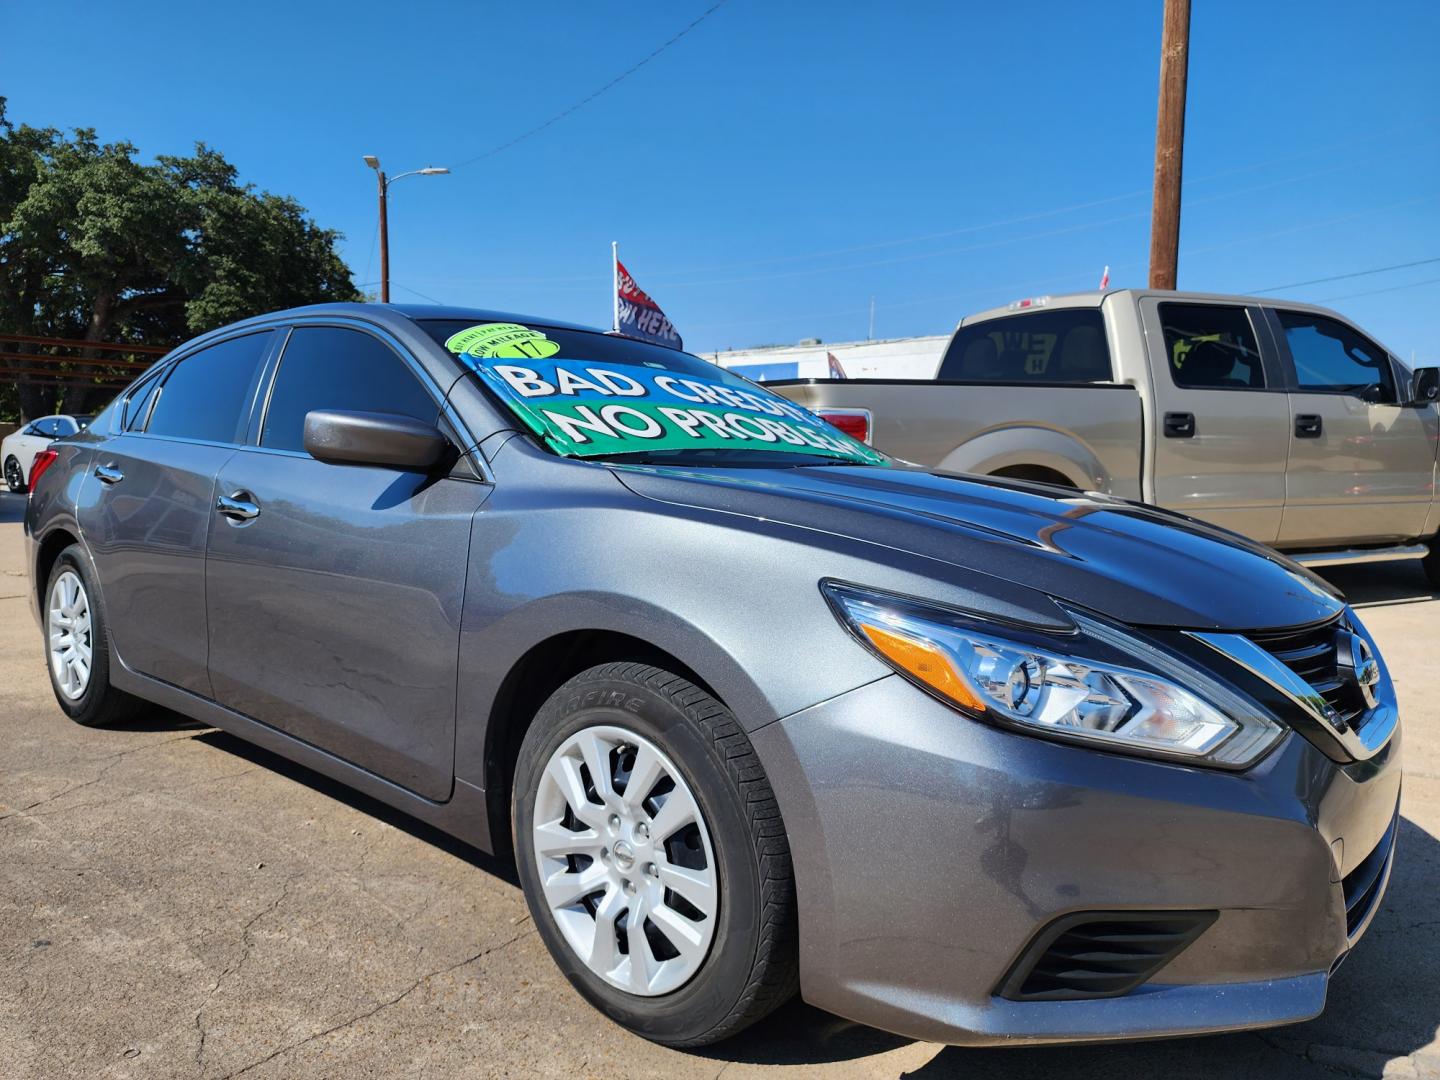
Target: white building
[(891, 358)]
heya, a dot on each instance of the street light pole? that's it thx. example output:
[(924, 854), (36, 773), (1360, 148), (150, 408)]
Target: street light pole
[(384, 182)]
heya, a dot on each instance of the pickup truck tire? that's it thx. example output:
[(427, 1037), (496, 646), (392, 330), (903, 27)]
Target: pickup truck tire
[(1431, 563), (1037, 474)]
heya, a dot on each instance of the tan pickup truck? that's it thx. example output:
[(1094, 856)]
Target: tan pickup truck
[(1282, 421)]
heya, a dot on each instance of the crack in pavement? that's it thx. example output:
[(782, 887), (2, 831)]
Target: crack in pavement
[(247, 945), (380, 1006), (111, 761), (164, 792)]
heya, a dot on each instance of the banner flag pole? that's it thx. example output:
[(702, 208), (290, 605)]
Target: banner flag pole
[(615, 285)]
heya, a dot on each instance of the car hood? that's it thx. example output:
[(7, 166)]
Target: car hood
[(1129, 561)]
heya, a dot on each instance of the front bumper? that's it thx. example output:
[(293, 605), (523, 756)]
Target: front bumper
[(930, 849)]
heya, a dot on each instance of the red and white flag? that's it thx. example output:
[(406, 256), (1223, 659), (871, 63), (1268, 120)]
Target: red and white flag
[(638, 316), (836, 371), (1105, 278)]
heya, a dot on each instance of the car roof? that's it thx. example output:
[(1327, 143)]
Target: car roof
[(419, 312)]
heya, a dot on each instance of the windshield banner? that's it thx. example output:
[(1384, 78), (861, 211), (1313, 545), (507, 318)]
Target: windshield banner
[(591, 409)]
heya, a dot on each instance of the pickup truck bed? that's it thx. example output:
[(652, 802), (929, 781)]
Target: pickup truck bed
[(1282, 421)]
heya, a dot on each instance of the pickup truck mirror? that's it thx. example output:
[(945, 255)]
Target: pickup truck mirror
[(365, 438), (1424, 385)]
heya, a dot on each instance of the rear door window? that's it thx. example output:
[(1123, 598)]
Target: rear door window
[(330, 367), (1211, 347), (1064, 346), (1330, 357), (205, 396)]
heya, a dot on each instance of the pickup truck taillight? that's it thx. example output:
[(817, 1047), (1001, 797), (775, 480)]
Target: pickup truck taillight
[(43, 460), (853, 422)]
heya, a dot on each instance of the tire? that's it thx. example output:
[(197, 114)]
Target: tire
[(748, 963), (14, 475), (1431, 563), (73, 594)]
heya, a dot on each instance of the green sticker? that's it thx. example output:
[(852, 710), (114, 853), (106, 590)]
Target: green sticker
[(505, 340)]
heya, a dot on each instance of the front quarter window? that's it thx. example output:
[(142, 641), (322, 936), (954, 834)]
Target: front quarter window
[(590, 395)]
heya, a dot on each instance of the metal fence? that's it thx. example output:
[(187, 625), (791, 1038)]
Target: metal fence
[(45, 361)]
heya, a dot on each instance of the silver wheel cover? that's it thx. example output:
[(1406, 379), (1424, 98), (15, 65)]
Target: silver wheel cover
[(67, 626), (620, 846)]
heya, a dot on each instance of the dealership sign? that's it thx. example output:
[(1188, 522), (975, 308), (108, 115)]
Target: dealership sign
[(588, 409)]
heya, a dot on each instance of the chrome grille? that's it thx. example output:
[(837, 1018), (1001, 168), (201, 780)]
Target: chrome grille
[(1312, 654)]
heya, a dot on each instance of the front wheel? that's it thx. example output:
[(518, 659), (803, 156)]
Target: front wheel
[(653, 857), (14, 475)]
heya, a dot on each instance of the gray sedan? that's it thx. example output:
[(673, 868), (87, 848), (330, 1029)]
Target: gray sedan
[(754, 707)]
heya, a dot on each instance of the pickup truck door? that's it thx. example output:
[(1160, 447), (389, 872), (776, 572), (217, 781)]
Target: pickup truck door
[(1219, 426), (1362, 466)]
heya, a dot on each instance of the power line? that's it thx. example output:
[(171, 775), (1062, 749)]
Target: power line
[(1342, 277), (586, 100), (1377, 292)]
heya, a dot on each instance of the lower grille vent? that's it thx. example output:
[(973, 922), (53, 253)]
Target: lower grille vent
[(1362, 885), (1097, 954)]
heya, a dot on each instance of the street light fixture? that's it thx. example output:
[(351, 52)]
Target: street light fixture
[(374, 163)]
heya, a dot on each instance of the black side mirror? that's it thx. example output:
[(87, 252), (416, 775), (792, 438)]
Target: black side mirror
[(1424, 385), (364, 438)]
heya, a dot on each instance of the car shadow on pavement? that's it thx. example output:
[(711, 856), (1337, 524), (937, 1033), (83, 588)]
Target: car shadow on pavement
[(1382, 584), (496, 866)]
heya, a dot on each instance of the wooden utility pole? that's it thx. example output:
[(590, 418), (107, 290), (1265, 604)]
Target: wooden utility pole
[(1169, 145)]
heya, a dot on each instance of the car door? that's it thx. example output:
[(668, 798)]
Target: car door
[(1362, 465), (1220, 427), (145, 508), (335, 606)]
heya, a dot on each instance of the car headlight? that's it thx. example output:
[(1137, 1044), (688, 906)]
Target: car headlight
[(1097, 685)]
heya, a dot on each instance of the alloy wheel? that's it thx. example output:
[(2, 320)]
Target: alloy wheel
[(625, 860), (13, 476), (68, 628)]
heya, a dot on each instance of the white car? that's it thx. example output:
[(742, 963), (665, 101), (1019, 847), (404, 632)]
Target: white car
[(18, 451)]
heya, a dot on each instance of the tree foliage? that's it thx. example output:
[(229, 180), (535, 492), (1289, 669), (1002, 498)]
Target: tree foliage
[(98, 246)]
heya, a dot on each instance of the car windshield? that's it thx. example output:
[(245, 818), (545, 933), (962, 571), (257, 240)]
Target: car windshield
[(591, 395)]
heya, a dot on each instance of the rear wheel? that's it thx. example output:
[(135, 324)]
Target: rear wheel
[(77, 645), (653, 857), (14, 475)]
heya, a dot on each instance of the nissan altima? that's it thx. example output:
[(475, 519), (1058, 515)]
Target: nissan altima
[(756, 708)]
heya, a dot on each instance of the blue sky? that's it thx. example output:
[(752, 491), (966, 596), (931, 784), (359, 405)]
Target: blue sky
[(785, 162)]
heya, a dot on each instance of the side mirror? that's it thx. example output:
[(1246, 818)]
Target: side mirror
[(1424, 385), (364, 438)]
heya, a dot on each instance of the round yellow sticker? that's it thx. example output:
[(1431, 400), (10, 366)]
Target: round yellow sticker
[(504, 340)]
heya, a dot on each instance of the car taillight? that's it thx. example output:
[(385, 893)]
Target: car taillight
[(853, 422), (43, 460)]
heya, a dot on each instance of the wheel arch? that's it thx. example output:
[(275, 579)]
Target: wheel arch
[(539, 672), (50, 546), (1028, 451)]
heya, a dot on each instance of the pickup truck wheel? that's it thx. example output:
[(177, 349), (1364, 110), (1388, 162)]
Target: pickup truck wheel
[(77, 645), (652, 855), (1431, 563)]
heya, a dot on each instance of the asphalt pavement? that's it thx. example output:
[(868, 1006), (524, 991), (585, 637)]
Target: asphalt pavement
[(176, 903)]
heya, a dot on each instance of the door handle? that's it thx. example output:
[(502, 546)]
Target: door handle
[(1308, 425), (237, 506), (108, 474), (1179, 425)]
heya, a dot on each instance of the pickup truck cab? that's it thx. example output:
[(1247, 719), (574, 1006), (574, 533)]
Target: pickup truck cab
[(1282, 421)]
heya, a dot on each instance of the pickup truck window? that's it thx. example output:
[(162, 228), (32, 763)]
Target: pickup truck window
[(1062, 346), (1331, 357), (1211, 347)]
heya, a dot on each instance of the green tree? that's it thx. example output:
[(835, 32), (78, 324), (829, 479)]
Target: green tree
[(99, 246)]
